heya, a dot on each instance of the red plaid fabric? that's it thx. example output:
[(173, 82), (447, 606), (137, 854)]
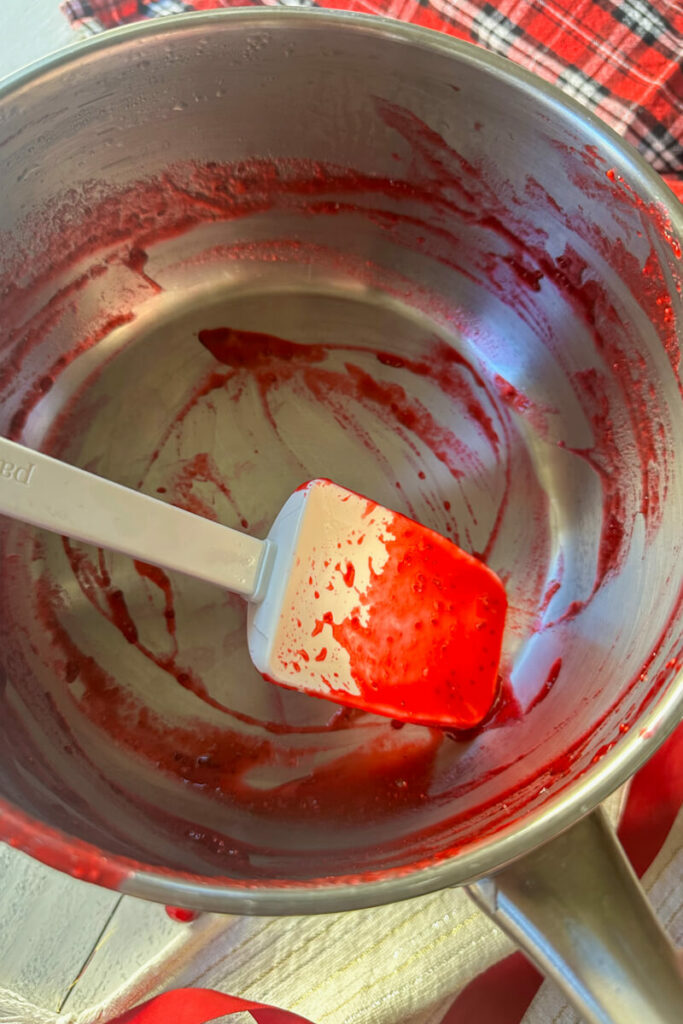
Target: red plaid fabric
[(621, 58)]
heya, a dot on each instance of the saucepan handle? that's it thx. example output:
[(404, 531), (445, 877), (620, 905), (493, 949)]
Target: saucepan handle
[(577, 909)]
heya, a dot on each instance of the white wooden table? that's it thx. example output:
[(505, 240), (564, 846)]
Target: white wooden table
[(64, 945)]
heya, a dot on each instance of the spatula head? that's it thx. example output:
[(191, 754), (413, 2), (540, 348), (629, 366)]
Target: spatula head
[(367, 608)]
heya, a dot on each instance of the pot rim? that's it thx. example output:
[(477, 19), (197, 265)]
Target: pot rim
[(323, 895)]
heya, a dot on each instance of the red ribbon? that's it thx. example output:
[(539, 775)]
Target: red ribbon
[(199, 1006)]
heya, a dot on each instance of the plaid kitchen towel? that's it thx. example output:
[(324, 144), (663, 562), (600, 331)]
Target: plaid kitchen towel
[(621, 58)]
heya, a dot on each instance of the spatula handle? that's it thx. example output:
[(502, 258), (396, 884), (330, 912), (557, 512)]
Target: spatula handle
[(50, 494)]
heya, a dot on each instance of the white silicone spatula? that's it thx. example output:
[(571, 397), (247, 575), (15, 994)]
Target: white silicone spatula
[(347, 600)]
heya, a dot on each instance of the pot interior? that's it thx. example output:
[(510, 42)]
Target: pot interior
[(243, 252)]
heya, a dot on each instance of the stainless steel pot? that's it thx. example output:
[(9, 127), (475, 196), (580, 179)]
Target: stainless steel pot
[(434, 279)]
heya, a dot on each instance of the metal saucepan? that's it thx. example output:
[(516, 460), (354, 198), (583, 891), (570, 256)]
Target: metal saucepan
[(246, 249)]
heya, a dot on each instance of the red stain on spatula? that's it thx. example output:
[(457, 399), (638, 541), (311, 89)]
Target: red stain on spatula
[(434, 633), (387, 615)]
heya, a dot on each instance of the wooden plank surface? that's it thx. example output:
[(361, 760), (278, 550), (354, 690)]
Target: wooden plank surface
[(135, 933), (64, 944), (49, 924), (67, 946)]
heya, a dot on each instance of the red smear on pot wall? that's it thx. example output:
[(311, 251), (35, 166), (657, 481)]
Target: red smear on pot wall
[(226, 756), (64, 853), (548, 685)]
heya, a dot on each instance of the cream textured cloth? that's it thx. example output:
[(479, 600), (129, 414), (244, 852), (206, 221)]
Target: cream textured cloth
[(399, 963)]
